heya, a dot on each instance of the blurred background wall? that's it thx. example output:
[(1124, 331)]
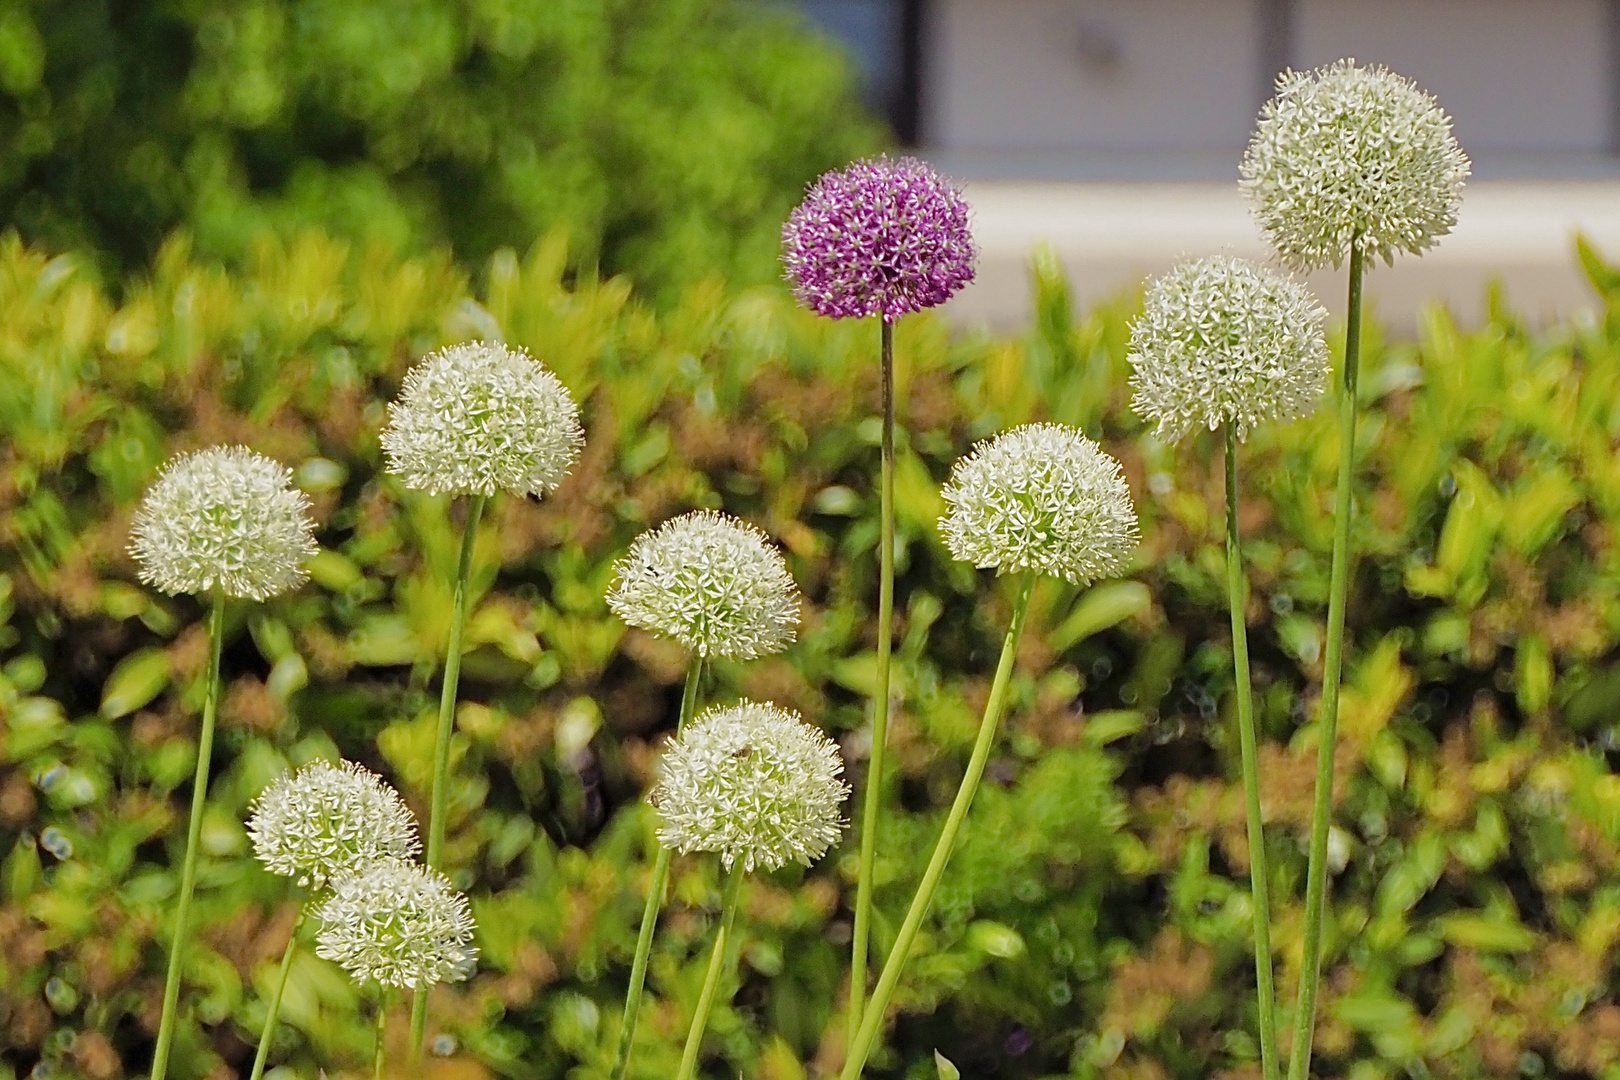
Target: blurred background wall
[(1112, 128)]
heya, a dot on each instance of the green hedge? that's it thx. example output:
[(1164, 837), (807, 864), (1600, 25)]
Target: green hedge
[(671, 136), (1094, 922)]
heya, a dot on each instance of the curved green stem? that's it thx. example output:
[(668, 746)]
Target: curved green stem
[(381, 1034), (873, 1018), (1258, 882), (188, 872), (872, 805), (711, 978), (441, 742), (1299, 1056), (275, 1000), (655, 901)]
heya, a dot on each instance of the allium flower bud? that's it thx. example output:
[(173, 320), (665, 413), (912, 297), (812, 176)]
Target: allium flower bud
[(398, 924), (1040, 497), (326, 820), (880, 237), (1346, 150), (754, 783), (223, 517), (714, 583), (1222, 341), (480, 417)]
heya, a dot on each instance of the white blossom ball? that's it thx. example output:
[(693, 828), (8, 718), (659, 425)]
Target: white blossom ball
[(326, 820), (398, 924), (224, 517), (1223, 341), (754, 783), (1040, 497), (482, 417), (1346, 151), (717, 585)]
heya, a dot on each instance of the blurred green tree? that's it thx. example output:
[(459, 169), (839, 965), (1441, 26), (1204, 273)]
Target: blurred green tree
[(670, 137)]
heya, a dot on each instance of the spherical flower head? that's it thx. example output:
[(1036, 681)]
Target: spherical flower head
[(1222, 341), (398, 924), (1040, 497), (481, 417), (1346, 151), (754, 783), (326, 820), (224, 518), (714, 583), (880, 237)]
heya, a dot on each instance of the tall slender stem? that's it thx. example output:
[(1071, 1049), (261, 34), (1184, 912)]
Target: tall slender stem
[(275, 999), (1258, 879), (441, 742), (873, 802), (711, 978), (188, 872), (381, 1035), (873, 1018), (655, 900), (1299, 1056)]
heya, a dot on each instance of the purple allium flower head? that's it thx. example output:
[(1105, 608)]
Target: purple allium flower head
[(880, 237)]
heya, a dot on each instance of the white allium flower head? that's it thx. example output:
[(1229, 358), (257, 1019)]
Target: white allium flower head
[(326, 820), (1223, 341), (398, 924), (482, 417), (1345, 150), (1040, 497), (717, 585), (223, 517), (754, 783)]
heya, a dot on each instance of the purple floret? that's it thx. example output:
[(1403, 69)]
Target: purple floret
[(880, 237)]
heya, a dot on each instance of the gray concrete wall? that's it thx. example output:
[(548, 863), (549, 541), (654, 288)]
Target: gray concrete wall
[(1030, 77), (1112, 236), (1518, 75)]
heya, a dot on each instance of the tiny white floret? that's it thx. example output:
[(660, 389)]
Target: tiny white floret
[(398, 924), (482, 417), (1222, 341), (1040, 497), (326, 820), (753, 782), (1345, 152), (717, 585), (225, 518)]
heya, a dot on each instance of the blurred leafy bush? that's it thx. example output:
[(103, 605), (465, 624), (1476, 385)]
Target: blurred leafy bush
[(1095, 919), (670, 137)]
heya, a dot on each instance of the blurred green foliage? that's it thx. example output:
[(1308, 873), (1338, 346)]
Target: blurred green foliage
[(1095, 919), (669, 136)]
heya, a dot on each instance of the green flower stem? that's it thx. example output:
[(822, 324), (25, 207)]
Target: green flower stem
[(873, 802), (711, 979), (188, 872), (441, 742), (655, 901), (275, 999), (873, 1018), (1299, 1056), (381, 1033), (1258, 883)]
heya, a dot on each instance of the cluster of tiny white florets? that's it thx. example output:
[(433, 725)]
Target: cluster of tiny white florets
[(480, 417), (717, 585), (224, 517), (1040, 497), (1222, 341), (326, 820), (754, 783), (1346, 151), (398, 924)]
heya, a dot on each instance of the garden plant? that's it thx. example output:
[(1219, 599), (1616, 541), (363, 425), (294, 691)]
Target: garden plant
[(1168, 762)]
